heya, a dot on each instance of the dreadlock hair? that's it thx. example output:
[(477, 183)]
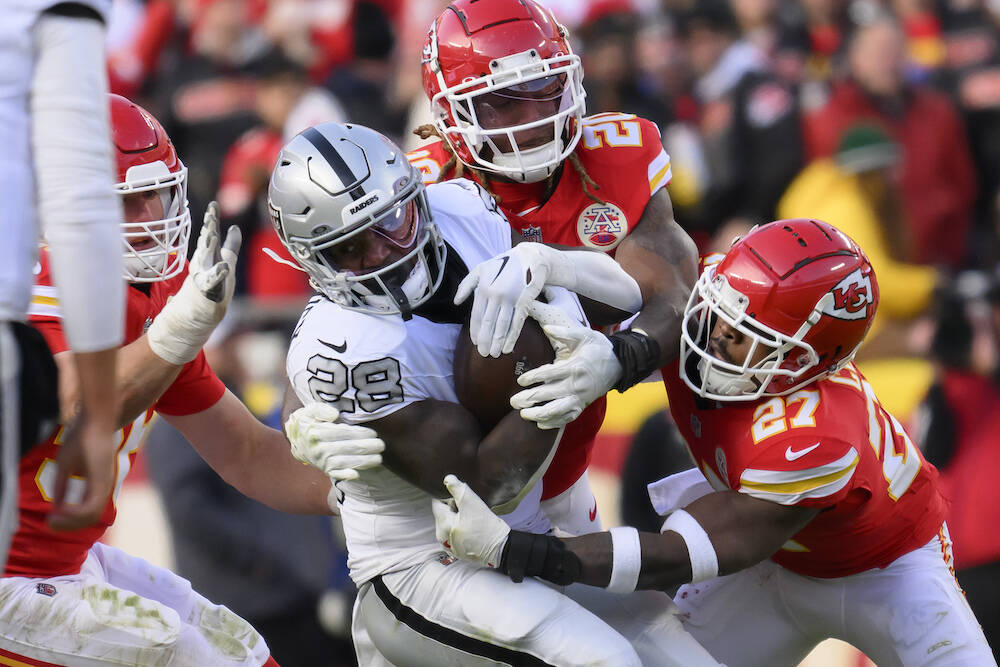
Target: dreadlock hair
[(428, 130)]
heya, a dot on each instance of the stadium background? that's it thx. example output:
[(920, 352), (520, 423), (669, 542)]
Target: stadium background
[(760, 103)]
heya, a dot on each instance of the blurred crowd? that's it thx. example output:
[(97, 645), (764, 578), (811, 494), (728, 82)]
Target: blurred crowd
[(880, 117)]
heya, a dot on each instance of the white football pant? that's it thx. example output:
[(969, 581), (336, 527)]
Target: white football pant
[(121, 610), (449, 612), (574, 511), (911, 613)]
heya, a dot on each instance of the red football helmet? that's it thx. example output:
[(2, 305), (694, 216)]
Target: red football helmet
[(147, 162), (505, 87), (801, 289)]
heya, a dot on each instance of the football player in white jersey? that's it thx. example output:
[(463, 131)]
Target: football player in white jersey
[(376, 346), (55, 157)]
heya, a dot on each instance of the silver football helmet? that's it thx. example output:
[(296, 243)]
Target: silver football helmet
[(353, 213)]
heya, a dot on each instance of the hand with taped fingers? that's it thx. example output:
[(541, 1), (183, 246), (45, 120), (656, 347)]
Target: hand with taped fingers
[(585, 368), (339, 450), (181, 329), (467, 527), (503, 289)]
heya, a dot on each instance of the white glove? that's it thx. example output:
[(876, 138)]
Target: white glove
[(585, 368), (504, 287), (339, 450), (178, 333), (466, 527)]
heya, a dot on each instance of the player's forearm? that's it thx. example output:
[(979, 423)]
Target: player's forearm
[(271, 475), (95, 373), (510, 459), (142, 379), (590, 274), (78, 208), (666, 267), (665, 562), (254, 458)]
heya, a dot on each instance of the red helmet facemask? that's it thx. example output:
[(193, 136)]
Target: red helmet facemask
[(155, 243), (505, 87)]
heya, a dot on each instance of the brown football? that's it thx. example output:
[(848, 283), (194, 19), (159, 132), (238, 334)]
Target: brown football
[(484, 385)]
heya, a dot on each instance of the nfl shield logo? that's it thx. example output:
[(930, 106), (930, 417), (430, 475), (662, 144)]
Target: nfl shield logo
[(696, 426), (532, 233), (602, 226)]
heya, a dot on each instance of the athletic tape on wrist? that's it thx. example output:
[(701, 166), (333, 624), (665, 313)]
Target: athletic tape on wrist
[(638, 353), (626, 559), (704, 561)]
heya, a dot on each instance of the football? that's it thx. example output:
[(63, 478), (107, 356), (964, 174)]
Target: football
[(484, 385)]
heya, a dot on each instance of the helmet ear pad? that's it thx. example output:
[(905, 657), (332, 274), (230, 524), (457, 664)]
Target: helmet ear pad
[(801, 288), (340, 190), (475, 49), (146, 160)]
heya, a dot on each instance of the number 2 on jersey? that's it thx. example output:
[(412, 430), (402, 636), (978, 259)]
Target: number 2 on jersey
[(899, 469), (376, 383), (611, 129)]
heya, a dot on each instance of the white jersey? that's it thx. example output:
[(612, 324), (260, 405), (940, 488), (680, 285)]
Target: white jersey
[(369, 366)]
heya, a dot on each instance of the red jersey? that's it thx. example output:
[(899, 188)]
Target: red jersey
[(37, 551), (624, 155), (830, 445)]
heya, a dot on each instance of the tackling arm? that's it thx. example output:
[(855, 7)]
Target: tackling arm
[(142, 378), (718, 534), (253, 457), (429, 439), (743, 531), (663, 259)]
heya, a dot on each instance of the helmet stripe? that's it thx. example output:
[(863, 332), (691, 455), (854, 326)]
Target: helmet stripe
[(340, 167)]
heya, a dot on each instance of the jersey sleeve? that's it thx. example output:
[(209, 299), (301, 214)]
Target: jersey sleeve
[(658, 171), (801, 471), (197, 388), (615, 144), (469, 218), (44, 312)]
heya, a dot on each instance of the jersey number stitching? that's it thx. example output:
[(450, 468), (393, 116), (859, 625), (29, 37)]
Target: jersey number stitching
[(900, 469), (769, 418), (614, 130), (376, 383)]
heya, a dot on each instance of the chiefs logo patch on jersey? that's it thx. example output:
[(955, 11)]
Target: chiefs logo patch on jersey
[(602, 226), (851, 297)]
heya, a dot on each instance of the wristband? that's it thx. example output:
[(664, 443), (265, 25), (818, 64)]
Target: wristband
[(626, 559), (638, 354), (704, 561)]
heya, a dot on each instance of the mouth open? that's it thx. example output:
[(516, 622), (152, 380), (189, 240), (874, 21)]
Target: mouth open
[(143, 244)]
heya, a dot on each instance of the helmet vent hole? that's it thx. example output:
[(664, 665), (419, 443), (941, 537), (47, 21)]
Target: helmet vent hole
[(306, 210), (285, 163), (802, 242)]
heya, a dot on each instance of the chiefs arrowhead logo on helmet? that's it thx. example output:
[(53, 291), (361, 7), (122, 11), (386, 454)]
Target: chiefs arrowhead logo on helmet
[(851, 297)]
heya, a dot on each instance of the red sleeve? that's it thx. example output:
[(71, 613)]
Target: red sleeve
[(51, 329), (624, 155), (802, 470), (197, 388)]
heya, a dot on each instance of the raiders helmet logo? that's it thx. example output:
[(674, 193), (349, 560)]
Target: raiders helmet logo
[(851, 297)]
